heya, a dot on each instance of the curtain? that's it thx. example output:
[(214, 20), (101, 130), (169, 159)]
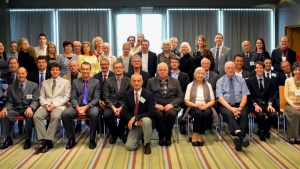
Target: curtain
[(187, 24), (29, 24), (246, 25), (83, 25)]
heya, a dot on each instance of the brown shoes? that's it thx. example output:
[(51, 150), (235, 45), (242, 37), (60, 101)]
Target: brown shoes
[(147, 149), (43, 148)]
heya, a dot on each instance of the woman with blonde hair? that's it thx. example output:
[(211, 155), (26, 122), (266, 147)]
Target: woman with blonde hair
[(26, 56), (137, 47), (87, 56), (51, 53), (126, 57)]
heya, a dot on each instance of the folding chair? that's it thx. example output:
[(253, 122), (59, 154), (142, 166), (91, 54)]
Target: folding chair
[(280, 115)]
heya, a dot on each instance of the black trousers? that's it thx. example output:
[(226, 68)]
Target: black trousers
[(201, 117), (263, 123), (164, 122), (109, 119)]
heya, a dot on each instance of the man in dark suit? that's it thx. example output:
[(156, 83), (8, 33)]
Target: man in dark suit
[(84, 98), (136, 62), (249, 57), (210, 76), (260, 100), (286, 72), (239, 63), (22, 100), (13, 65), (283, 53), (221, 54), (168, 97), (274, 76), (42, 74), (138, 110), (148, 58), (114, 97)]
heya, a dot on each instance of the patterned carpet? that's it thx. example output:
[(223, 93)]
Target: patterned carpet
[(215, 154)]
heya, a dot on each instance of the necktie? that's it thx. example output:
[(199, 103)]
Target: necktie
[(217, 61), (136, 107), (268, 75), (206, 77), (247, 56), (13, 77), (41, 79), (53, 86), (22, 90), (231, 92), (104, 78), (85, 91), (288, 75), (118, 84), (261, 87)]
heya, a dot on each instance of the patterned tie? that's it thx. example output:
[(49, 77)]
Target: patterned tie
[(41, 79), (261, 87), (85, 91), (217, 61), (22, 90), (231, 92), (104, 78), (206, 77), (136, 107), (53, 86)]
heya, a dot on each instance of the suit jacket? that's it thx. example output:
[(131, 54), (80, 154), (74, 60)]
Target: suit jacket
[(152, 59), (282, 78), (225, 56), (7, 77), (93, 95), (212, 79), (61, 93), (255, 95), (30, 98), (68, 77), (145, 109), (245, 74), (35, 76), (183, 80), (174, 94), (275, 83), (276, 58), (144, 74), (111, 94), (99, 76), (249, 62)]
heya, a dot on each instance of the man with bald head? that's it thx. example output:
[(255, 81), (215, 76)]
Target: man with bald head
[(232, 94), (168, 97), (249, 57), (283, 53), (22, 100)]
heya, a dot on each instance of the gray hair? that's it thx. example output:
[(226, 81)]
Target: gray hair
[(166, 42), (205, 59)]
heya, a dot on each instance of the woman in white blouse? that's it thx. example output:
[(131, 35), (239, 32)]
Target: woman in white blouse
[(199, 97)]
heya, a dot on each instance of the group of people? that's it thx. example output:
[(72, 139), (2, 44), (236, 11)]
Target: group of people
[(144, 90)]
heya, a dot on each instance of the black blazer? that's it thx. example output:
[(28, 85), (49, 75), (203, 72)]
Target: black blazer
[(152, 59), (144, 74), (7, 78), (35, 76), (255, 95), (26, 61), (183, 79), (145, 109), (252, 58), (276, 58), (245, 74), (99, 76), (275, 83)]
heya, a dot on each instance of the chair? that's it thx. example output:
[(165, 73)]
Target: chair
[(282, 102)]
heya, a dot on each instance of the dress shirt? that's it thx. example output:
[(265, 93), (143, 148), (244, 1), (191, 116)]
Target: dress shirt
[(175, 75), (139, 94), (24, 84), (239, 73), (145, 62), (261, 81)]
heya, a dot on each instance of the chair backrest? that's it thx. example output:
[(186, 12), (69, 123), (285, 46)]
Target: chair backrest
[(282, 100)]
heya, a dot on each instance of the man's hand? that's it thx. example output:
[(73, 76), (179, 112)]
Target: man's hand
[(257, 108), (102, 104), (130, 123), (168, 107), (140, 123), (28, 112), (69, 104), (270, 108), (3, 113), (202, 107), (160, 107)]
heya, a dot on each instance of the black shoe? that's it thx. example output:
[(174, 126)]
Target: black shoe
[(245, 142), (71, 143), (195, 144), (238, 144), (161, 142), (200, 143), (168, 142), (292, 141), (182, 129), (27, 144), (92, 144), (112, 140), (147, 149), (7, 143), (267, 135), (297, 141), (261, 136), (123, 138), (78, 128)]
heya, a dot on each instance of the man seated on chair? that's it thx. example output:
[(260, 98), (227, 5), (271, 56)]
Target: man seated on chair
[(168, 97), (138, 110), (22, 100), (84, 98), (260, 88), (232, 94), (54, 95), (114, 96)]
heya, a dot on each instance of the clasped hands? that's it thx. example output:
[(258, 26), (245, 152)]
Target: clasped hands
[(164, 108), (117, 111), (28, 112), (82, 110)]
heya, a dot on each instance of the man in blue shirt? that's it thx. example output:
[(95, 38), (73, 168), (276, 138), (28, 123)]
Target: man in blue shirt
[(232, 94)]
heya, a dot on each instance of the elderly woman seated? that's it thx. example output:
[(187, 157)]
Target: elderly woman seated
[(199, 97), (292, 107)]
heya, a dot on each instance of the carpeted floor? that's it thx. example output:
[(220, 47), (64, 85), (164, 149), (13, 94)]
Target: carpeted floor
[(214, 154)]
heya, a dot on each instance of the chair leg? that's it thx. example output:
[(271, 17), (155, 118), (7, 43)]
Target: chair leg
[(284, 127), (278, 126), (177, 130), (188, 128)]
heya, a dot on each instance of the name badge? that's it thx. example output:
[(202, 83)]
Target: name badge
[(142, 99), (297, 93), (273, 74), (252, 63), (28, 96), (283, 58)]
